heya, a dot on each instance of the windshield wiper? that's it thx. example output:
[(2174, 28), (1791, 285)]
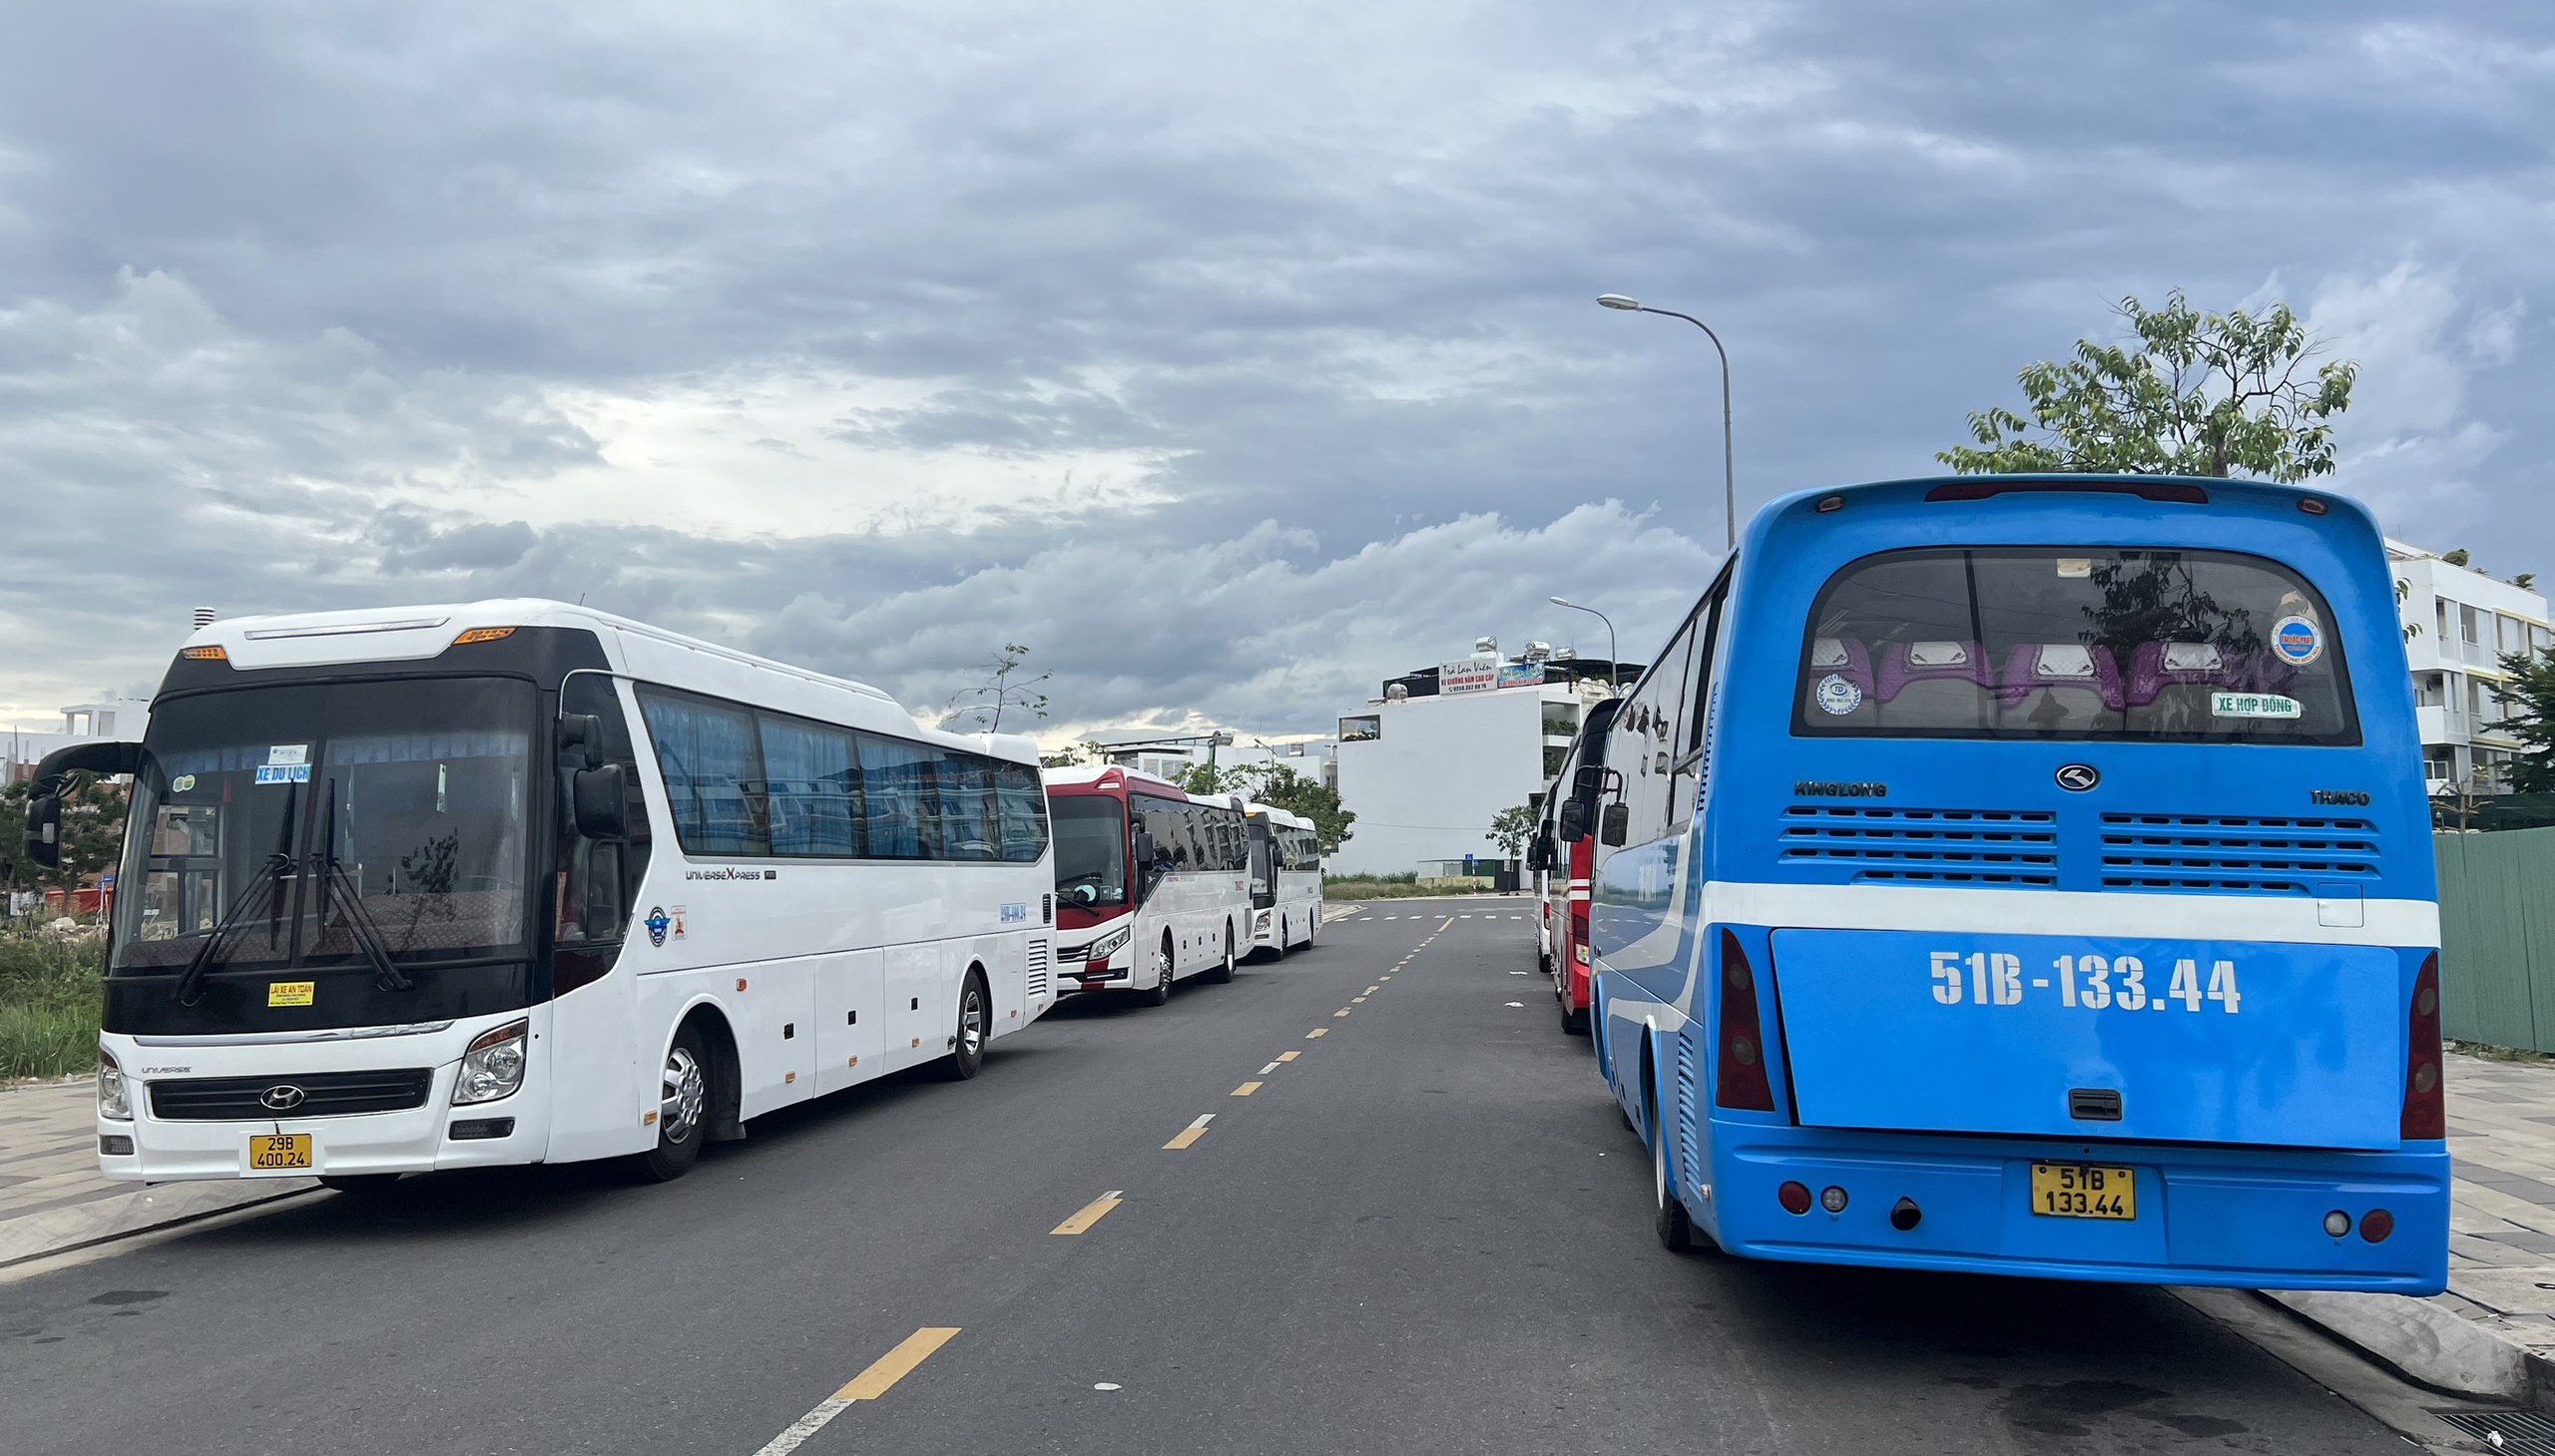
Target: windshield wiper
[(189, 985), (359, 924)]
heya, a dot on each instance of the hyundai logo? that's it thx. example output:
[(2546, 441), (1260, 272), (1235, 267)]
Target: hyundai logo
[(283, 1097), (2077, 778)]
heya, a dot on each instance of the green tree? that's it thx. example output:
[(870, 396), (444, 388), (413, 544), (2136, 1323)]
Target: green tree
[(91, 834), (1510, 828), (2198, 394), (1280, 786), (2528, 700), (1003, 690)]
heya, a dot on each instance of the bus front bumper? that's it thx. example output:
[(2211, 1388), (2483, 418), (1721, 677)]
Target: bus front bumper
[(2232, 1216), (430, 1137)]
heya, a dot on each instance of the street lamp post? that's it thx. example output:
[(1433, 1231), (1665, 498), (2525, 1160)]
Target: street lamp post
[(1614, 662), (1728, 460)]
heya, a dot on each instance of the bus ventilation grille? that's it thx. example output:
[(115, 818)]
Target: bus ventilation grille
[(2016, 848), (1689, 1113), (2235, 854), (323, 1095), (1037, 967), (2512, 1432)]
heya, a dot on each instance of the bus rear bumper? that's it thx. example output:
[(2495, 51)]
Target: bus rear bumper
[(2238, 1218)]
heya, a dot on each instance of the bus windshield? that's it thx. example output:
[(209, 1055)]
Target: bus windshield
[(1091, 849), (2073, 642), (412, 797)]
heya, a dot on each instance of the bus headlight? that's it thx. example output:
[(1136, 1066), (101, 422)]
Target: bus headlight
[(1108, 945), (113, 1104), (493, 1067)]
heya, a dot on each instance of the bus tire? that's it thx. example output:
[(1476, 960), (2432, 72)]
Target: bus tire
[(975, 1024), (1574, 1020), (687, 1098), (1223, 973), (1285, 937), (1159, 995), (1674, 1227)]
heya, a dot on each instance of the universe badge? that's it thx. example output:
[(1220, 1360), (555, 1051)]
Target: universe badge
[(1838, 695), (2298, 640), (657, 925)]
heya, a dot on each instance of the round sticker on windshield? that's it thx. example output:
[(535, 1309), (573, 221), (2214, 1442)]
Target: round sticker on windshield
[(1839, 696), (2298, 640)]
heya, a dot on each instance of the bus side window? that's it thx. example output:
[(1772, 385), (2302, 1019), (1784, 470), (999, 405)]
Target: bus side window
[(1693, 709)]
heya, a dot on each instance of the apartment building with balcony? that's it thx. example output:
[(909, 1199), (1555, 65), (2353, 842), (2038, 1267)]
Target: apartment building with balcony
[(2460, 622)]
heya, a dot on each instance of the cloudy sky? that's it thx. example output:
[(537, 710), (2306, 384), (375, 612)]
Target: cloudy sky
[(1232, 356)]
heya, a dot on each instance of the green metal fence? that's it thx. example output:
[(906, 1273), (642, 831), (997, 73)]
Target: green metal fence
[(2497, 937)]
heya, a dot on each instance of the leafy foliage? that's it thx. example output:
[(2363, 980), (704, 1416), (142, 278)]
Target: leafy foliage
[(1510, 828), (2528, 700), (1278, 786), (91, 834), (2200, 394)]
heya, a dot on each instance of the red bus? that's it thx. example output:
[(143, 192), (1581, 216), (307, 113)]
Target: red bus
[(1153, 884), (1563, 854)]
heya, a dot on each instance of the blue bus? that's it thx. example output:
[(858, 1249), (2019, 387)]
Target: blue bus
[(2031, 875)]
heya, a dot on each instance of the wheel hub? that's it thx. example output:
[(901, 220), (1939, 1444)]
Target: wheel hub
[(683, 1089)]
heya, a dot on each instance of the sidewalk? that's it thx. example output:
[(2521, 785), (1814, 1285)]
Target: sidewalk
[(52, 1197), (2493, 1334)]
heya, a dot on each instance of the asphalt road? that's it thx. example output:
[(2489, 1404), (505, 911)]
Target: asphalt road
[(1426, 1232)]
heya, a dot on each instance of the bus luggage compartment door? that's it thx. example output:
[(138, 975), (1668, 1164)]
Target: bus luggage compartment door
[(2095, 1037)]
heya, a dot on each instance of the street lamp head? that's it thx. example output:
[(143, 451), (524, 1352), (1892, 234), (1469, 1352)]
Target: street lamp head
[(1617, 300), (1562, 602)]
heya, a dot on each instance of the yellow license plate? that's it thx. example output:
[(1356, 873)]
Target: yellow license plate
[(288, 993), (278, 1150), (2083, 1190)]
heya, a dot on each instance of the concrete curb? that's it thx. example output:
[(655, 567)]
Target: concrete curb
[(2428, 1345), (147, 1208)]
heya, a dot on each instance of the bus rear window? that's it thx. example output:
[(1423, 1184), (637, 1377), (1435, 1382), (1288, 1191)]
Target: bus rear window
[(2073, 642)]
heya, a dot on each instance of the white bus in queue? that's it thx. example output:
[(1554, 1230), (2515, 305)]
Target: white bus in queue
[(515, 881), (1151, 883), (1286, 880)]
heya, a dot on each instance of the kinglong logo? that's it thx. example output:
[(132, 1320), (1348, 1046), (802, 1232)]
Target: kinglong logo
[(1823, 789)]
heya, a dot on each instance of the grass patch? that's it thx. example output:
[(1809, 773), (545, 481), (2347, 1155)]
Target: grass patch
[(1403, 886), (2491, 1053), (49, 1002)]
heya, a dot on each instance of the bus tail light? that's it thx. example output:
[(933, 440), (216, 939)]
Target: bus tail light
[(2425, 1105), (1741, 1083), (1795, 1196)]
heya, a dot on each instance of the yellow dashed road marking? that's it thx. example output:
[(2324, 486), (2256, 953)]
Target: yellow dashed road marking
[(1291, 1056), (869, 1385), (1320, 1031), (1090, 1212), (1246, 1089), (1343, 1011), (1190, 1134)]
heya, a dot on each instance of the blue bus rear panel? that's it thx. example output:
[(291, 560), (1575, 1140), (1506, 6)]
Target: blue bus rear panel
[(2250, 1218)]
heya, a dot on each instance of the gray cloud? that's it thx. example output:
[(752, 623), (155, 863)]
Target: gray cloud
[(936, 325)]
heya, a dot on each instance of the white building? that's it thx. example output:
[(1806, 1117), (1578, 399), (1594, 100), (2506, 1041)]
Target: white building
[(21, 750), (1427, 765), (1147, 750), (2458, 622)]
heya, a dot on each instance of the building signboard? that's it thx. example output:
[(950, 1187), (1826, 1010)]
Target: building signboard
[(1469, 674), (1520, 674)]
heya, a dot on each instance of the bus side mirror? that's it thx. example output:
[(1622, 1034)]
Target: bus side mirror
[(600, 796), (582, 732), (1615, 824), (44, 831), (1574, 821), (1539, 853), (1145, 850)]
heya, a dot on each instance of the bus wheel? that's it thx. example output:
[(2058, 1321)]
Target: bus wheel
[(1675, 1226), (1159, 995), (1574, 1021), (683, 1108), (1223, 973), (1285, 937), (968, 1050)]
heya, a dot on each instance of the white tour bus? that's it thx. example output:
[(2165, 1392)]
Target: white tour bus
[(520, 882), (1151, 883), (1286, 880)]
